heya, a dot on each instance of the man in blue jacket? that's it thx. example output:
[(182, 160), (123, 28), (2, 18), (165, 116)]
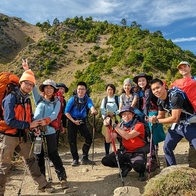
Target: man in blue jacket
[(77, 111)]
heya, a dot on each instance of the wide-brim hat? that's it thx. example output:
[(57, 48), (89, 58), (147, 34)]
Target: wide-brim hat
[(50, 83), (183, 63), (126, 108), (135, 79), (63, 86)]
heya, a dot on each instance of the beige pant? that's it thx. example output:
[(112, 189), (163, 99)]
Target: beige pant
[(8, 145)]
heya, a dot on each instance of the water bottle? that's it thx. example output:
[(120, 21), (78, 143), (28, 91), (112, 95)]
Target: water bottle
[(37, 145)]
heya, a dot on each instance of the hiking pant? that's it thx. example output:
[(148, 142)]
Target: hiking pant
[(174, 136), (72, 138), (137, 161), (8, 145), (53, 155)]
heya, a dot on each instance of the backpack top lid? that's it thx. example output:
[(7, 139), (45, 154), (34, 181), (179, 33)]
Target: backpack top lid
[(7, 83)]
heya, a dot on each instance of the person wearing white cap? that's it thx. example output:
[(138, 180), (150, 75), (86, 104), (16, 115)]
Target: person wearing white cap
[(184, 69)]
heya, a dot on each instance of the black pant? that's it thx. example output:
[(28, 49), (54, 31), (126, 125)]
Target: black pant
[(72, 138), (52, 153), (136, 160)]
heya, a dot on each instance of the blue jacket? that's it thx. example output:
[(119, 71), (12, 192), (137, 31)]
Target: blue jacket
[(46, 108), (78, 112)]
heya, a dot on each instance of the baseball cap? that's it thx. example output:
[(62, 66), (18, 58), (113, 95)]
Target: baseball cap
[(183, 63)]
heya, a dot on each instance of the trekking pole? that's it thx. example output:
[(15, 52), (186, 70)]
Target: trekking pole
[(150, 158), (116, 155), (93, 140), (25, 171), (47, 160)]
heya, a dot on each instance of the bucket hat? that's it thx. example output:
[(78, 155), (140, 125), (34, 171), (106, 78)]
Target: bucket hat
[(63, 86), (48, 82), (135, 79), (126, 108)]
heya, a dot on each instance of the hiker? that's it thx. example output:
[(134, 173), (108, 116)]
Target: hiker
[(16, 106), (47, 107), (109, 107), (128, 96), (62, 89), (132, 140), (174, 105), (184, 69), (77, 112), (148, 105)]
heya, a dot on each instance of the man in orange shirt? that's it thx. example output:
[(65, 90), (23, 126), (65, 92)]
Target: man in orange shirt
[(132, 135)]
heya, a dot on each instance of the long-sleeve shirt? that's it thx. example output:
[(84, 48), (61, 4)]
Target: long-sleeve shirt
[(46, 108)]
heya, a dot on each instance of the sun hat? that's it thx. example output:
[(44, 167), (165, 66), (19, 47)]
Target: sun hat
[(48, 82), (28, 75), (135, 79), (126, 108), (183, 63), (127, 80), (63, 86)]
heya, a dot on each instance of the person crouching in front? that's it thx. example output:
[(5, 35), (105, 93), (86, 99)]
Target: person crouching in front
[(132, 139)]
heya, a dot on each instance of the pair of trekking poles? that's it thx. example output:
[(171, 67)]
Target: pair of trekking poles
[(46, 157)]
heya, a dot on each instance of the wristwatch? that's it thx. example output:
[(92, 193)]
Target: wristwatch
[(114, 125), (157, 120)]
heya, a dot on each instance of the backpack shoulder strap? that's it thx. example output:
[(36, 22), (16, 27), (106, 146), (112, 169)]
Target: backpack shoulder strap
[(116, 100), (105, 101)]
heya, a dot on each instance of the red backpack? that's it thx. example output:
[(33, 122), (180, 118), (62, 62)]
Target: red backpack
[(57, 122), (188, 85)]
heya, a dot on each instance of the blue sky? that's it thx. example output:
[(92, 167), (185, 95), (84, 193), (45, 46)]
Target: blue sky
[(176, 19)]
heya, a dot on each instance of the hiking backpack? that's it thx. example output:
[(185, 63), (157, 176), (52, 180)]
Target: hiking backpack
[(8, 83), (188, 87), (56, 123)]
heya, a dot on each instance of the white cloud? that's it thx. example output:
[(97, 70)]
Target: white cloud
[(189, 39), (146, 12)]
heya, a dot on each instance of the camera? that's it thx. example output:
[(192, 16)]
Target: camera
[(81, 122)]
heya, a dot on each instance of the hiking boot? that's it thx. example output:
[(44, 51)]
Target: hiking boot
[(126, 170), (75, 163), (142, 177), (48, 188), (64, 184), (87, 162)]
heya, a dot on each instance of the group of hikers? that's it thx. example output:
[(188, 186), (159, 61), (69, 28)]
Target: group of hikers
[(144, 103)]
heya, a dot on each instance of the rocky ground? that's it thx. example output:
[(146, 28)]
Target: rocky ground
[(85, 180)]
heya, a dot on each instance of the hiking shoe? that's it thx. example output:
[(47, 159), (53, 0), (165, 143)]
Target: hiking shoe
[(75, 163), (48, 188), (142, 177), (87, 162), (64, 184), (126, 170)]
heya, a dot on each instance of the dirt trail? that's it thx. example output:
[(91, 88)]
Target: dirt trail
[(85, 180)]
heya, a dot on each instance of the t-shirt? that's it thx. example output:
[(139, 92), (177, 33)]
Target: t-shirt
[(136, 142), (176, 102)]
